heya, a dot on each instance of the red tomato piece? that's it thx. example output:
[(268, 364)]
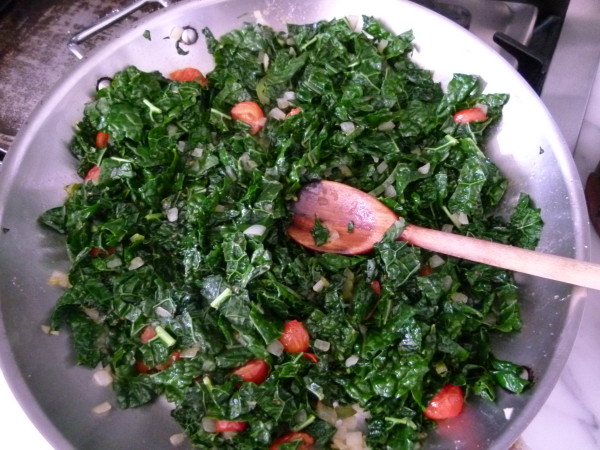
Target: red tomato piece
[(250, 113), (425, 270), (97, 252), (376, 287), (311, 357), (470, 115), (227, 425), (148, 334), (293, 112), (140, 367), (295, 338), (293, 436), (255, 371), (93, 175), (175, 356), (188, 74), (446, 404), (101, 139)]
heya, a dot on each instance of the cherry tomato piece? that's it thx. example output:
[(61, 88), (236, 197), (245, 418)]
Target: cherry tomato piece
[(93, 175), (376, 287), (425, 270), (189, 74), (250, 113), (293, 436), (141, 367), (255, 371), (446, 404), (227, 425), (293, 112), (175, 356), (470, 115), (148, 334), (311, 357), (101, 139), (97, 252), (295, 338)]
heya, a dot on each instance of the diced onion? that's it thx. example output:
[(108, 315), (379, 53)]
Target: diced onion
[(462, 218), (459, 297), (209, 425), (220, 208), (390, 191), (198, 152), (189, 352), (114, 262), (102, 408), (326, 413), (176, 33), (447, 228), (447, 282), (482, 107), (136, 263), (92, 313), (319, 285), (386, 126), (177, 439), (354, 22), (264, 58), (289, 95), (58, 278), (230, 173), (172, 214), (355, 439), (247, 163), (162, 312), (382, 44), (345, 170), (441, 368), (347, 127), (508, 413), (103, 377), (424, 169), (277, 114), (259, 17), (324, 346), (228, 434), (275, 348), (334, 235), (255, 230), (382, 167), (282, 103), (435, 261), (351, 361)]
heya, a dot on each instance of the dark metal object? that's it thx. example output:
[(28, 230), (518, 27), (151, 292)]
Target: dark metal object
[(592, 196)]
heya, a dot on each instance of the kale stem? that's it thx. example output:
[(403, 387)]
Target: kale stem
[(164, 336), (306, 423), (221, 298)]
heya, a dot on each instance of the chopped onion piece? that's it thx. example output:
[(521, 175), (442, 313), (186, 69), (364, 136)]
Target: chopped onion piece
[(247, 163), (176, 33), (345, 170), (114, 262), (382, 167), (282, 103), (334, 235), (424, 169), (275, 348), (483, 107), (45, 328), (162, 312), (508, 413), (220, 208), (447, 282), (386, 126), (324, 346), (198, 152), (172, 214), (326, 413), (347, 127), (319, 285), (447, 228), (382, 44), (259, 17), (136, 263), (230, 173), (209, 425), (92, 313), (264, 57), (103, 377), (255, 230), (462, 218), (277, 114), (177, 439), (435, 261), (459, 297), (289, 95), (354, 22), (355, 439), (102, 408), (390, 191), (441, 368), (58, 278), (351, 361), (189, 352)]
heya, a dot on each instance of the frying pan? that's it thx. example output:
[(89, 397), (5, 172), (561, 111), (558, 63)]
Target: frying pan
[(59, 396)]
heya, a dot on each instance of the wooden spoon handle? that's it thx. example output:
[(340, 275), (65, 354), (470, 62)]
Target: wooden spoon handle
[(572, 271)]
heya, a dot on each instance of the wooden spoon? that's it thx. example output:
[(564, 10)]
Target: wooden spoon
[(336, 205)]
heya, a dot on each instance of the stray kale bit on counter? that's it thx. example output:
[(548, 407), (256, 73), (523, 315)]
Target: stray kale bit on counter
[(185, 283)]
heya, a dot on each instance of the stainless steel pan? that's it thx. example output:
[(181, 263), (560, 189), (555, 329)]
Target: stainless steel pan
[(59, 396)]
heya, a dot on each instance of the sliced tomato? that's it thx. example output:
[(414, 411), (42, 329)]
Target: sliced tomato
[(141, 367), (446, 404), (293, 436), (101, 139), (376, 287), (470, 115), (295, 338), (425, 270), (255, 371), (148, 334), (188, 74), (250, 113), (311, 357), (175, 356), (227, 425), (97, 252), (93, 175), (293, 112)]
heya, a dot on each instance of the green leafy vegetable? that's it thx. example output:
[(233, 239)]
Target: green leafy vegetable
[(182, 271)]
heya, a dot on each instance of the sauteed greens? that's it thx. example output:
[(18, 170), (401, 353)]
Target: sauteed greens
[(185, 283)]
